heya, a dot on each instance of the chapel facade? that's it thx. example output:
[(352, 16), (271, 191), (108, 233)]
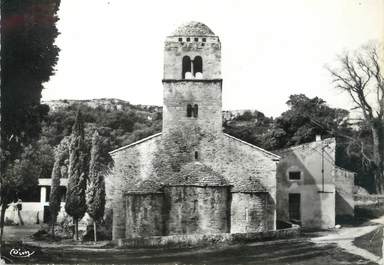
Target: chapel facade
[(192, 178)]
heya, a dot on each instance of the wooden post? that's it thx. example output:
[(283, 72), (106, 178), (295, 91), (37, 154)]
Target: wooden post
[(94, 230)]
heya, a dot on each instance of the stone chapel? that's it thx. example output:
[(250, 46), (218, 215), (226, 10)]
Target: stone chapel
[(192, 178)]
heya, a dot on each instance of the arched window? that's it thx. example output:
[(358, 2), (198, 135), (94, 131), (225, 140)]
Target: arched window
[(186, 66), (195, 110), (189, 110), (197, 65), (196, 155)]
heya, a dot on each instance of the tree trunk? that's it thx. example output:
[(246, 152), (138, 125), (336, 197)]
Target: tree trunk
[(94, 230), (3, 209), (378, 156), (53, 230), (76, 229)]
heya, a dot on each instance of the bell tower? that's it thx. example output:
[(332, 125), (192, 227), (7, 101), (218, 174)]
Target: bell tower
[(192, 83)]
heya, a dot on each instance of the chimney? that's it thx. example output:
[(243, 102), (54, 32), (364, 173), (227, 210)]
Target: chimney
[(318, 137)]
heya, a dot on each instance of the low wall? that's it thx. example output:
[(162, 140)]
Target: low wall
[(31, 213), (199, 240), (377, 200)]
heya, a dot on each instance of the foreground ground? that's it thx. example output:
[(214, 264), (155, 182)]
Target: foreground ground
[(314, 248)]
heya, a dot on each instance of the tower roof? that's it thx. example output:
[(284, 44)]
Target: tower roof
[(193, 28)]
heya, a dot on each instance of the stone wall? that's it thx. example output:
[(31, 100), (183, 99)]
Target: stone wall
[(368, 199), (206, 94), (118, 216), (251, 212), (131, 164), (317, 200), (144, 215), (238, 160), (210, 52), (196, 210), (345, 182), (158, 157), (201, 240)]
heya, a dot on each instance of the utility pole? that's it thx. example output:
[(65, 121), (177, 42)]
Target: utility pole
[(322, 168)]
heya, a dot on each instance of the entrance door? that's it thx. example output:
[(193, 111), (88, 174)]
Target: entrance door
[(294, 208)]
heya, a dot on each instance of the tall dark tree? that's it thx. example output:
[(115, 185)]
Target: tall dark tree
[(96, 185), (249, 126), (28, 57), (75, 204), (61, 153), (360, 75), (306, 118)]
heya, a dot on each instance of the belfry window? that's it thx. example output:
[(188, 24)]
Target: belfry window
[(189, 110), (192, 68), (187, 65), (195, 110), (197, 66)]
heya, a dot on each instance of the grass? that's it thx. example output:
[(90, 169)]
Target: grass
[(372, 242)]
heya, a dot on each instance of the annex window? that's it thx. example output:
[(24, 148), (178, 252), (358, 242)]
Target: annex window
[(186, 67), (195, 111), (197, 65), (189, 110), (294, 175)]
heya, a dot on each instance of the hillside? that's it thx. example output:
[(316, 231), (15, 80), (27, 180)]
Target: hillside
[(113, 104), (118, 120), (109, 104), (124, 123)]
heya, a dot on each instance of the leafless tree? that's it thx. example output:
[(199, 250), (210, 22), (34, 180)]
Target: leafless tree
[(360, 75)]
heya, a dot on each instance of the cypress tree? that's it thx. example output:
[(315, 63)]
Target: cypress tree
[(75, 204), (61, 153), (54, 198), (96, 185)]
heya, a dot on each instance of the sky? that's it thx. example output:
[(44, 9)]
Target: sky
[(270, 49)]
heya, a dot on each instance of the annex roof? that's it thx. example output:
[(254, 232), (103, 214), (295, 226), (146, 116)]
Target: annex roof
[(304, 146)]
